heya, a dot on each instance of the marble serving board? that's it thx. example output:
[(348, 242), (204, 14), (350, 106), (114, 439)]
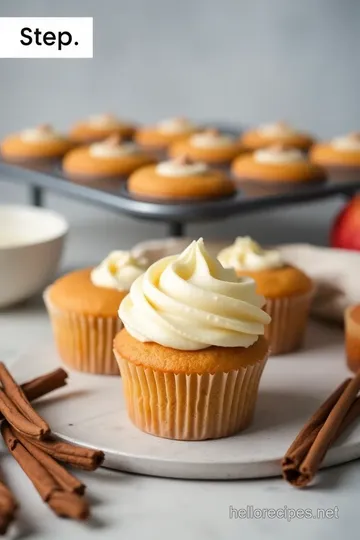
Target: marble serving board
[(91, 411)]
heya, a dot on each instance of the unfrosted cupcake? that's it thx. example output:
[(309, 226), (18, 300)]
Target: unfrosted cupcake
[(210, 146), (352, 337), (83, 307), (180, 179), (277, 133), (192, 351), (161, 135), (110, 158), (340, 156), (99, 127), (288, 291), (35, 144), (276, 165)]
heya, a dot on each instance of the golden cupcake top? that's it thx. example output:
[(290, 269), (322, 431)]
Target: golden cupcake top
[(278, 130), (176, 125), (43, 133), (119, 270), (347, 143), (211, 139), (279, 154), (191, 302), (246, 254)]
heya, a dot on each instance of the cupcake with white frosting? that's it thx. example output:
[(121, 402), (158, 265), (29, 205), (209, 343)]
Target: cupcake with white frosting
[(339, 156), (35, 144), (288, 291), (209, 146), (276, 133), (160, 136), (180, 178), (110, 158), (100, 126), (193, 347), (277, 164), (83, 307)]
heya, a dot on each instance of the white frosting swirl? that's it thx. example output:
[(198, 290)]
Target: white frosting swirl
[(119, 270), (103, 121), (278, 130), (40, 134), (178, 168), (347, 143), (245, 254), (175, 125), (208, 139), (190, 302), (279, 156), (106, 149)]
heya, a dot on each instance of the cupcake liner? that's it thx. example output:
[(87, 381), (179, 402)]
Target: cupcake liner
[(192, 406), (352, 341), (289, 318), (84, 342)]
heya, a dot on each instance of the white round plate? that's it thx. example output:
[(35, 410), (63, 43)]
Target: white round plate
[(90, 411)]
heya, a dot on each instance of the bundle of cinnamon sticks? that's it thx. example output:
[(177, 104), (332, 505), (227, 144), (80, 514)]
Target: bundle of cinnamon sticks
[(305, 455), (28, 438)]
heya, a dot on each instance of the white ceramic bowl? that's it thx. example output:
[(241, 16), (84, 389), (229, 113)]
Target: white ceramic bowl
[(31, 243)]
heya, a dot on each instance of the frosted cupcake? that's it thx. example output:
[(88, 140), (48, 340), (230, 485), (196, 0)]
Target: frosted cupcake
[(340, 156), (288, 291), (110, 158), (277, 133), (159, 136), (192, 351), (35, 144), (209, 146), (100, 126), (83, 308)]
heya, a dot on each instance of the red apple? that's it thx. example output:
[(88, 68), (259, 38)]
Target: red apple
[(345, 232)]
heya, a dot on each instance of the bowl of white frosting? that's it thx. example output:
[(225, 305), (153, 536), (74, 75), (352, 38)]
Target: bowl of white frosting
[(31, 244)]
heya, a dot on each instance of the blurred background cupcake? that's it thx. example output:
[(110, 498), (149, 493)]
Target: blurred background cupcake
[(340, 156), (160, 136), (98, 127), (277, 133)]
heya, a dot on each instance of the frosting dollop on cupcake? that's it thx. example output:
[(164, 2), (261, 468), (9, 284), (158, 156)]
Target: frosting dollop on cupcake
[(119, 270), (191, 302), (347, 143), (112, 148), (277, 129), (39, 134), (211, 139), (246, 254), (103, 121), (175, 125), (181, 167), (279, 155)]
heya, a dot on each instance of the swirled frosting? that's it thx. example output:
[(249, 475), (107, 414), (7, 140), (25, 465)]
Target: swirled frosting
[(103, 121), (190, 302), (180, 167), (112, 148), (278, 130), (245, 254), (119, 270), (43, 133), (175, 125), (210, 139), (278, 155), (347, 143)]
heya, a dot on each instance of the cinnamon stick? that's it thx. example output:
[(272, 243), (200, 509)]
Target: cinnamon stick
[(305, 455), (77, 456), (16, 419), (45, 384), (66, 481), (63, 503), (8, 507), (15, 393)]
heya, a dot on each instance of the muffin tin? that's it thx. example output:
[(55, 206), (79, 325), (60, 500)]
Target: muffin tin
[(114, 195)]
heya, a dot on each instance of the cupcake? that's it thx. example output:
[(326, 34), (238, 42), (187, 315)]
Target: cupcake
[(35, 144), (110, 158), (352, 337), (192, 351), (340, 156), (83, 307), (160, 136), (277, 133), (276, 164), (287, 290), (210, 146), (180, 179), (99, 127)]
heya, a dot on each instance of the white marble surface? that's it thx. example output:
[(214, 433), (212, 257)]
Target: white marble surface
[(130, 507)]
